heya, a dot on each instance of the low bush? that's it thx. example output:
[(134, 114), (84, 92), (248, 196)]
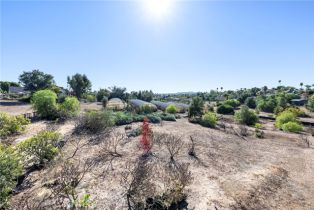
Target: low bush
[(285, 117), (123, 118), (146, 109), (258, 126), (259, 133), (154, 118), (292, 127), (69, 108), (171, 109), (39, 149), (209, 120), (10, 125), (138, 118), (167, 117), (10, 169), (310, 104), (267, 105), (225, 109), (232, 102), (246, 116), (89, 97), (95, 122), (297, 111), (45, 103)]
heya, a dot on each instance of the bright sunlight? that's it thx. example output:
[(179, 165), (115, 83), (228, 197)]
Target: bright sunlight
[(157, 9)]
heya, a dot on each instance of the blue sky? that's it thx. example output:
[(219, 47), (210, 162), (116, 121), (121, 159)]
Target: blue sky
[(198, 46)]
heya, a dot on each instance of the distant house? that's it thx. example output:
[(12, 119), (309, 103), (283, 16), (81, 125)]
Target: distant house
[(17, 91), (298, 102)]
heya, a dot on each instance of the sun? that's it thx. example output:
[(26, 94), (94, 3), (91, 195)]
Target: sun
[(157, 9)]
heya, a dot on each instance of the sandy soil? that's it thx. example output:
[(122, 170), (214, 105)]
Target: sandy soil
[(231, 173)]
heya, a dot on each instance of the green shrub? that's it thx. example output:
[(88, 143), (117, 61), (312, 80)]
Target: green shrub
[(209, 120), (310, 104), (123, 118), (45, 103), (278, 110), (258, 126), (259, 133), (250, 102), (154, 118), (297, 111), (10, 169), (171, 109), (69, 108), (95, 122), (167, 117), (146, 109), (225, 109), (246, 116), (138, 118), (284, 118), (104, 101), (267, 105), (292, 127), (89, 97), (196, 107), (10, 125), (41, 148), (232, 102)]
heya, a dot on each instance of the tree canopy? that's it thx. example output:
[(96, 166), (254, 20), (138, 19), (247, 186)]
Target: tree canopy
[(79, 84), (36, 80)]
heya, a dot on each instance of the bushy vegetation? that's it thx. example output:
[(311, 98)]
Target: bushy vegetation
[(209, 119), (118, 92), (36, 80), (250, 102), (266, 104), (167, 117), (94, 122), (4, 86), (69, 108), (292, 127), (288, 121), (310, 104), (171, 109), (225, 109), (154, 118), (10, 169), (45, 103), (144, 95), (232, 102), (79, 84), (196, 107), (10, 125), (101, 94), (246, 116), (88, 97), (146, 109), (40, 149), (104, 102), (123, 118)]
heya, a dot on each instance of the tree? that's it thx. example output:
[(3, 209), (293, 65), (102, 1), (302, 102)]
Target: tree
[(4, 85), (310, 104), (196, 107), (79, 84), (118, 92), (45, 103), (301, 84), (279, 81), (144, 95), (101, 94), (36, 80)]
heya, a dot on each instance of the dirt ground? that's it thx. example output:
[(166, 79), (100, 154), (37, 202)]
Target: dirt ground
[(276, 172)]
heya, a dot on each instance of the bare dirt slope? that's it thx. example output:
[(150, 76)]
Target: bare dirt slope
[(229, 172)]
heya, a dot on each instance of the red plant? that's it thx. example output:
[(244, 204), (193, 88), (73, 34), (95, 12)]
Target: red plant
[(145, 141)]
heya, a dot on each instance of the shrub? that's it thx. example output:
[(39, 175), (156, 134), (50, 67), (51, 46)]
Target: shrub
[(89, 97), (225, 109), (10, 169), (44, 102), (310, 104), (267, 105), (69, 108), (284, 118), (259, 133), (209, 119), (171, 109), (104, 101), (40, 148), (278, 109), (196, 107), (292, 127), (146, 109), (246, 116), (296, 111), (101, 94), (167, 117), (95, 122), (10, 125), (258, 126), (232, 102), (250, 102), (122, 118), (138, 118), (154, 118)]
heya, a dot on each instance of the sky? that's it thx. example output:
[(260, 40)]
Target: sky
[(192, 45)]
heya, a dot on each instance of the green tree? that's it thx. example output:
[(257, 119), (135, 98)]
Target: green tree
[(196, 108), (36, 80), (45, 103), (246, 116), (101, 94), (118, 92), (79, 84)]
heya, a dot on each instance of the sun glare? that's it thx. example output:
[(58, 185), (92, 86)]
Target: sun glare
[(158, 9)]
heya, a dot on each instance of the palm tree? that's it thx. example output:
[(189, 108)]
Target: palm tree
[(279, 81), (301, 84), (221, 88)]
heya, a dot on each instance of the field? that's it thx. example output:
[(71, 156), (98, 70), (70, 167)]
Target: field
[(229, 171)]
